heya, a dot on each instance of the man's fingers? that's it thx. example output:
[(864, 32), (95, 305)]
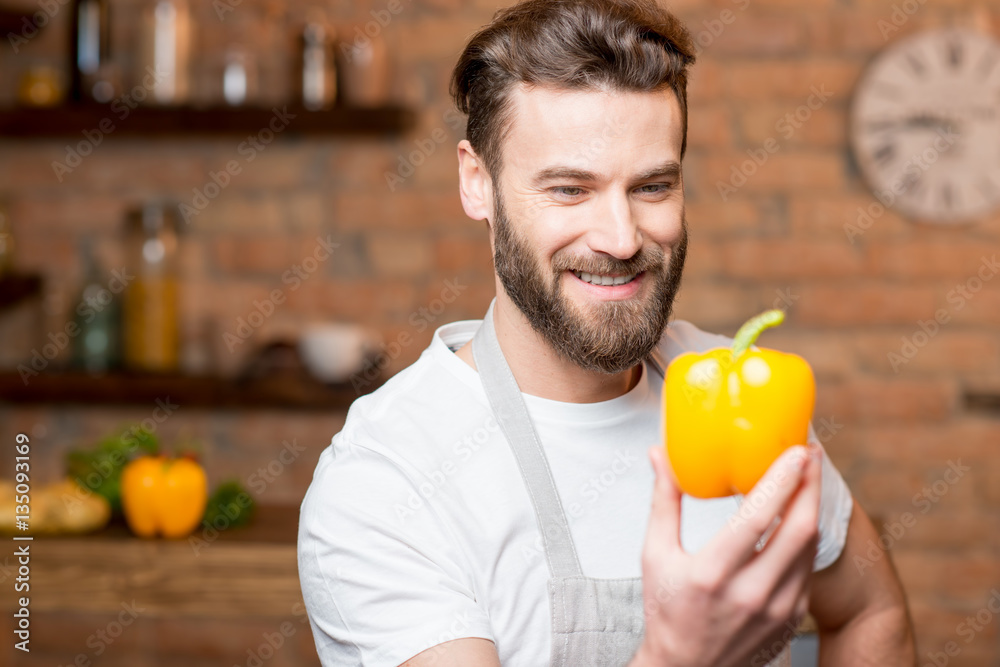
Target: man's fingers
[(799, 527), (663, 530), (733, 547)]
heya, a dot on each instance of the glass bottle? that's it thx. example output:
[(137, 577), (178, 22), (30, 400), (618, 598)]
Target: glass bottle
[(150, 326), (315, 74), (166, 48), (97, 314), (90, 38)]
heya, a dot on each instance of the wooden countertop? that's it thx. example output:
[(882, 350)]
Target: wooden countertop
[(248, 571)]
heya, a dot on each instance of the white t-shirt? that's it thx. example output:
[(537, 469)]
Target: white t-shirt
[(417, 528)]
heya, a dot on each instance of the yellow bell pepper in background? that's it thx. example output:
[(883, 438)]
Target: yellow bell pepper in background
[(731, 412), (163, 496)]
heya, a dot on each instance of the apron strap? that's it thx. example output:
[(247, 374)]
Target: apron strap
[(511, 414)]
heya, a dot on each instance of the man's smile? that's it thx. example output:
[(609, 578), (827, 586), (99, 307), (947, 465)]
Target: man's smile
[(612, 287)]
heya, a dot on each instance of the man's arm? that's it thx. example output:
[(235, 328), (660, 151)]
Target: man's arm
[(468, 652), (859, 605)]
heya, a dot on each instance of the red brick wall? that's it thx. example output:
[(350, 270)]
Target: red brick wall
[(779, 239)]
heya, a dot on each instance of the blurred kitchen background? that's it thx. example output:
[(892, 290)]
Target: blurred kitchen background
[(229, 252)]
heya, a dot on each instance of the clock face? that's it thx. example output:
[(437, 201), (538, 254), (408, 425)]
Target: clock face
[(925, 125)]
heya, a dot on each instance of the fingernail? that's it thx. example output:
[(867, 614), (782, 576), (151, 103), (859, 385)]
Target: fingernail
[(799, 460)]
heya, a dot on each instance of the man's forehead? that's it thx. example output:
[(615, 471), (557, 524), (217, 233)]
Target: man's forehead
[(575, 127)]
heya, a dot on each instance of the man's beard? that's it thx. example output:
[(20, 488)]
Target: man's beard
[(609, 336)]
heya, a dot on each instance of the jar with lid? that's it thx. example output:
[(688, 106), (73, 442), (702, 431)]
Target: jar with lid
[(164, 52), (150, 323)]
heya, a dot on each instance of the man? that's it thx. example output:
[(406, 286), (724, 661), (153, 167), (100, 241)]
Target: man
[(491, 504)]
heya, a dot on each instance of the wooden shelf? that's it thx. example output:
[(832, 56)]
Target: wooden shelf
[(14, 288), (152, 121), (289, 391), (984, 400), (11, 21)]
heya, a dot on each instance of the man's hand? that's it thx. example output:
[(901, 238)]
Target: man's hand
[(721, 606)]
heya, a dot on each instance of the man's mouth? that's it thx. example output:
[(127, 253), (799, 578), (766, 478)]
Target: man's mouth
[(597, 279)]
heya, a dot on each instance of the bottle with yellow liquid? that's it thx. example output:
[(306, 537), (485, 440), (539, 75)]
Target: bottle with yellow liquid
[(149, 322)]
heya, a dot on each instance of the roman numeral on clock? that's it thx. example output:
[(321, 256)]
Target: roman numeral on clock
[(884, 154), (916, 65), (955, 54)]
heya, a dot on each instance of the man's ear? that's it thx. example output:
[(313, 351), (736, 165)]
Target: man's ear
[(474, 183)]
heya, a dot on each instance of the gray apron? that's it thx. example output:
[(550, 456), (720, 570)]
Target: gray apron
[(597, 622)]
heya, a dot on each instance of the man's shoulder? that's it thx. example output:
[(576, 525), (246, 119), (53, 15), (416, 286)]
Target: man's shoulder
[(420, 399)]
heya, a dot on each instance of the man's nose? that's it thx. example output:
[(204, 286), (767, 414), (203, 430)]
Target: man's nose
[(615, 230)]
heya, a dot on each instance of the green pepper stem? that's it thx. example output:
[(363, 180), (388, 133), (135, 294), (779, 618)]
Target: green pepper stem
[(748, 333)]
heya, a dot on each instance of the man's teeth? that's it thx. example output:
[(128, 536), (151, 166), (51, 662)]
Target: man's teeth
[(595, 279)]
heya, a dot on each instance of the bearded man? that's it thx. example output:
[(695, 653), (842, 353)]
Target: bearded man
[(506, 500)]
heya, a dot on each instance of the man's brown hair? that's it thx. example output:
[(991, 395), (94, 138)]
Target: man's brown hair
[(619, 45)]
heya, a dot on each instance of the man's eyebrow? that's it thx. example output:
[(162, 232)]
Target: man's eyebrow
[(671, 169)]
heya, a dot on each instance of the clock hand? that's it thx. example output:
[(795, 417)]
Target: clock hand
[(927, 120)]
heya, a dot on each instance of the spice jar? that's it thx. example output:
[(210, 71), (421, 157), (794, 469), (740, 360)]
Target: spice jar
[(150, 326)]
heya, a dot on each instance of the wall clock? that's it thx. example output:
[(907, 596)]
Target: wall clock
[(924, 125)]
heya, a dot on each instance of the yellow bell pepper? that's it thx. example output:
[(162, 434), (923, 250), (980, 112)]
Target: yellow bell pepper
[(163, 496), (730, 412)]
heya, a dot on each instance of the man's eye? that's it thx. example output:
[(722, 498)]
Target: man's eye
[(568, 190), (655, 188)]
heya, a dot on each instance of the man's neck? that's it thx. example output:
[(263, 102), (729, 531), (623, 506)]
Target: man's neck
[(540, 371)]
